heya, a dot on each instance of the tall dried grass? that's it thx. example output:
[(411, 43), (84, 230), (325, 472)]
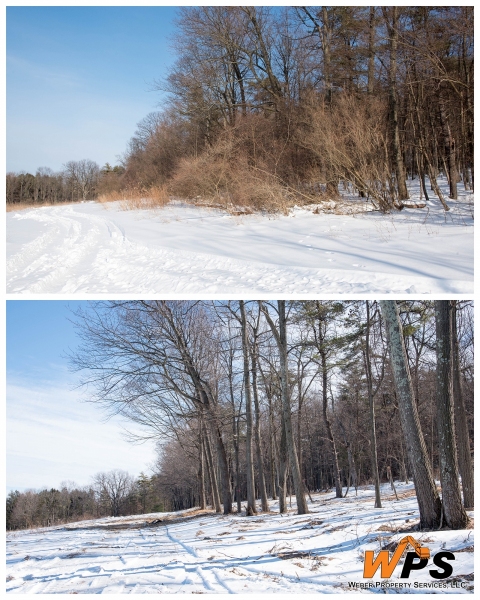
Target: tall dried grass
[(10, 207), (135, 198)]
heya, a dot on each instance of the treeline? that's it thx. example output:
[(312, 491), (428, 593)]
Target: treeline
[(111, 494), (257, 400), (79, 180), (273, 105), (269, 105)]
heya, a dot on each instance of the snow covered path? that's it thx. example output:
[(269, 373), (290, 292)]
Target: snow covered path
[(182, 249), (319, 552)]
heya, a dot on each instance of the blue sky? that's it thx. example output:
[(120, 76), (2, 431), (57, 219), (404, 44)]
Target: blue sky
[(80, 78), (53, 435)]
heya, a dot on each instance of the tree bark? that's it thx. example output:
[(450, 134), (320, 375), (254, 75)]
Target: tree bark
[(251, 506), (427, 494), (371, 51), (235, 436), (324, 368), (256, 428), (449, 148), (465, 465), (201, 470), (371, 411), (453, 510), (211, 473), (397, 158), (280, 336), (224, 472), (282, 469)]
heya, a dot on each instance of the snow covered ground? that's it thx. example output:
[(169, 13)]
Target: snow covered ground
[(95, 248), (207, 553)]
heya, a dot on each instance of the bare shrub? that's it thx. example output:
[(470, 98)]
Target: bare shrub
[(160, 141), (349, 138), (230, 186), (243, 168)]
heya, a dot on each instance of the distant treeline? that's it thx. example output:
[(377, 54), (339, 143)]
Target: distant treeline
[(111, 494), (79, 180)]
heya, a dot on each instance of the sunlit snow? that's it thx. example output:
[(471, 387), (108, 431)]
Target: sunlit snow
[(95, 248), (191, 552)]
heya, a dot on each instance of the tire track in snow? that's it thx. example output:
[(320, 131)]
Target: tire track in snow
[(209, 577), (81, 244), (51, 269), (100, 258), (29, 251), (221, 582), (175, 540)]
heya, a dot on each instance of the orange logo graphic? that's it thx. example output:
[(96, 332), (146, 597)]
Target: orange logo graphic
[(387, 565)]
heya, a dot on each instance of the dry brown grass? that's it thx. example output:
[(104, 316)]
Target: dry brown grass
[(21, 206), (138, 198)]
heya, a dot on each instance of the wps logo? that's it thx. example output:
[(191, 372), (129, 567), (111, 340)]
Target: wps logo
[(414, 561)]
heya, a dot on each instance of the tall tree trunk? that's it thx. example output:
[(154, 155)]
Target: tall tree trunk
[(453, 510), (281, 340), (237, 466), (371, 51), (251, 506), (336, 469), (224, 472), (427, 494), (351, 467), (273, 462), (325, 34), (201, 470), (261, 474), (212, 475), (287, 412), (324, 369), (449, 147), (272, 437), (371, 411), (397, 158), (465, 465), (235, 436), (282, 469)]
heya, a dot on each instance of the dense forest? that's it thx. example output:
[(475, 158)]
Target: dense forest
[(251, 400), (267, 106)]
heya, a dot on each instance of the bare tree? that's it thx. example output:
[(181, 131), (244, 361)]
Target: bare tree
[(371, 405), (113, 488), (461, 428), (280, 335), (82, 176), (427, 494), (154, 363), (453, 510), (251, 506)]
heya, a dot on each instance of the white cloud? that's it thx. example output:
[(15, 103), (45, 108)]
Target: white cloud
[(52, 436), (54, 77)]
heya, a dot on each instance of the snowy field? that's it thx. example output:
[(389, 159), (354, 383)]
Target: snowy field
[(95, 248), (321, 552)]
